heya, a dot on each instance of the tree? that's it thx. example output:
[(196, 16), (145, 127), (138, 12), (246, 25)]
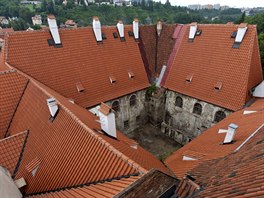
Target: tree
[(241, 19)]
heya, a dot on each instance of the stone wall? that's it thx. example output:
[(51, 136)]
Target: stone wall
[(128, 118), (181, 123)]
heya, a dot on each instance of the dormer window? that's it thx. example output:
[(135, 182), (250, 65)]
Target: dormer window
[(189, 78), (112, 79), (115, 35), (218, 86), (131, 74)]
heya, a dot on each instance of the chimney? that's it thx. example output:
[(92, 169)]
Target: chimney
[(97, 29), (53, 107), (20, 182), (107, 120), (136, 29), (159, 27), (54, 29), (230, 134), (259, 90), (241, 31), (193, 29), (120, 28)]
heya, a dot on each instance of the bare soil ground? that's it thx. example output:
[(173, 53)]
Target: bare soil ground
[(154, 141)]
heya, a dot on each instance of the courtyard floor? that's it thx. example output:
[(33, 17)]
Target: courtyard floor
[(154, 141)]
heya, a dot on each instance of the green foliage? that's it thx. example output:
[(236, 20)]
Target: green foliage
[(151, 89), (261, 46)]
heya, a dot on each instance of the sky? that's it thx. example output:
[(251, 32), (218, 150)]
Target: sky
[(232, 3)]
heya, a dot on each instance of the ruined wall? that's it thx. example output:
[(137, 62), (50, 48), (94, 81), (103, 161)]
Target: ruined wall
[(181, 123), (129, 118)]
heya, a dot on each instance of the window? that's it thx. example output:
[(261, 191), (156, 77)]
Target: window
[(133, 100), (126, 124), (219, 115), (197, 109), (178, 102), (115, 106)]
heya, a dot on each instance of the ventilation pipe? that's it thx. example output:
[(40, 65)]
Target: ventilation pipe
[(107, 120), (230, 134), (159, 27), (54, 29), (120, 28), (97, 29), (135, 29), (53, 107)]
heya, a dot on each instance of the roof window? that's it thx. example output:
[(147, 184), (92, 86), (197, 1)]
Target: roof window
[(115, 35)]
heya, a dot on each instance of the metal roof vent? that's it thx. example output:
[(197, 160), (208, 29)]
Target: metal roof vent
[(241, 31), (135, 29), (193, 30), (97, 29), (230, 134), (107, 120), (120, 28), (159, 27), (79, 87), (53, 107), (54, 30)]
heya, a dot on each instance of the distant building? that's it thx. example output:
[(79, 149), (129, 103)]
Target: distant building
[(225, 7), (3, 20), (207, 6), (217, 6), (195, 7), (36, 20)]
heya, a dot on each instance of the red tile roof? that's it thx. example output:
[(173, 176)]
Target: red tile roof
[(12, 86), (70, 150), (105, 189), (80, 60), (11, 149), (208, 146), (239, 174), (210, 58)]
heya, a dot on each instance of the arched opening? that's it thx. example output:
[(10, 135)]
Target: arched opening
[(219, 115), (197, 109), (178, 102)]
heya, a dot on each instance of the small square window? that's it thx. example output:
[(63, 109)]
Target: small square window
[(126, 124)]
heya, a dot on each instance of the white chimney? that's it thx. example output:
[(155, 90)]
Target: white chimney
[(230, 134), (20, 182), (54, 29), (241, 31), (135, 28), (107, 120), (120, 28), (259, 90), (53, 107), (159, 27), (193, 29), (97, 29)]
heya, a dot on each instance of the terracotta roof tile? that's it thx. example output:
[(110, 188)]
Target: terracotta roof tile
[(80, 59), (238, 174), (208, 146), (105, 189), (210, 58), (12, 86), (11, 149), (69, 150)]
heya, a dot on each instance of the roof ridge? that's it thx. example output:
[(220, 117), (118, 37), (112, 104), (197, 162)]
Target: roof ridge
[(12, 136), (20, 155), (18, 102), (85, 184), (7, 71), (110, 147)]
